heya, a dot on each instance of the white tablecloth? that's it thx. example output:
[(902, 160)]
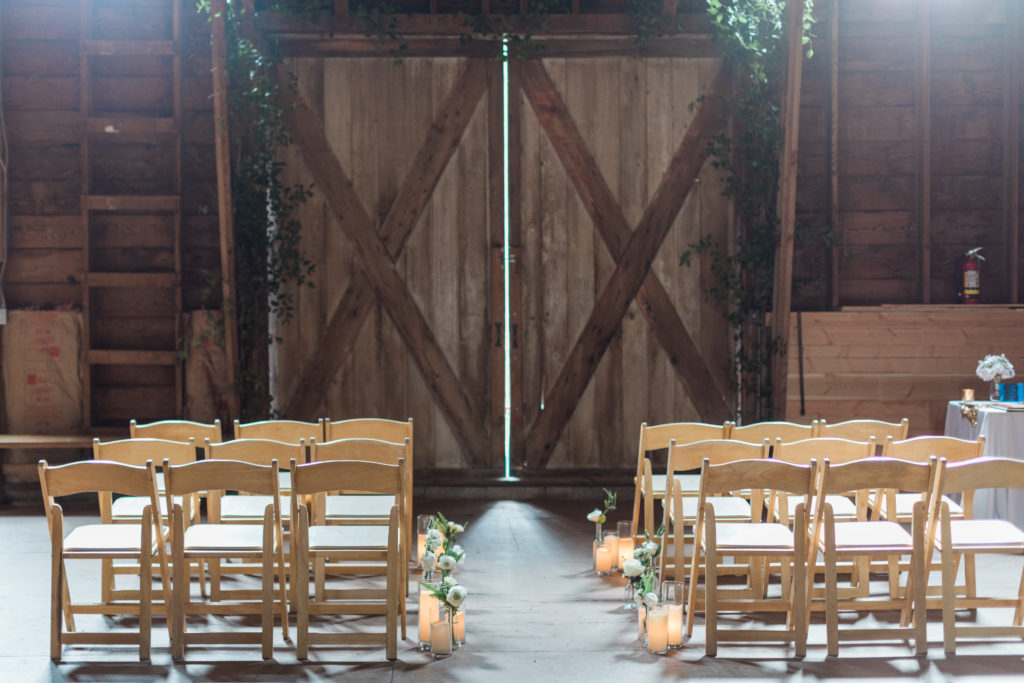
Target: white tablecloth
[(1004, 438)]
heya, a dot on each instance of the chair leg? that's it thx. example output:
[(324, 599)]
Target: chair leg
[(57, 585), (301, 578), (65, 591), (831, 587), (919, 580), (268, 598), (970, 577), (798, 594), (107, 580), (145, 605), (179, 598), (948, 599)]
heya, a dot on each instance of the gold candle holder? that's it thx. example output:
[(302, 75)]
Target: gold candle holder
[(967, 394)]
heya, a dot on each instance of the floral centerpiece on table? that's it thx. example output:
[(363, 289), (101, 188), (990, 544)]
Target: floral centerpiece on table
[(599, 516), (994, 369)]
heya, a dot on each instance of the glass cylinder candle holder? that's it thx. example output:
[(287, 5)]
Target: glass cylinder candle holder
[(657, 630), (459, 624), (626, 543), (673, 597), (427, 615), (629, 600), (604, 558), (641, 624), (612, 541), (424, 523), (441, 636)]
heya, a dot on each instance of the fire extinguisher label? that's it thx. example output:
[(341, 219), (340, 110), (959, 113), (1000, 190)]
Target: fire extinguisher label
[(972, 283)]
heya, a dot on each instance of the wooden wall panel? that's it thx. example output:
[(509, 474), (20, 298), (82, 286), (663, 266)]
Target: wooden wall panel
[(376, 114), (619, 106), (894, 362)]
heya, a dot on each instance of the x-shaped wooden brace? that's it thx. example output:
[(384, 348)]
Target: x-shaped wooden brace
[(379, 279), (634, 250)]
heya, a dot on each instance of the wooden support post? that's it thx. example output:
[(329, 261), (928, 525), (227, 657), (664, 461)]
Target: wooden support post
[(1011, 156), (224, 208), (923, 103), (783, 292), (833, 151), (341, 15)]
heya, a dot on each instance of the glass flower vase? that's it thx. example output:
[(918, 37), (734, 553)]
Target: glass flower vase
[(629, 600), (993, 388)]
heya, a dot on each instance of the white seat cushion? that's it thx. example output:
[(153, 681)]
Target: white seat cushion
[(981, 533), (755, 535), (842, 507), (106, 538), (359, 506), (690, 484), (726, 507), (131, 507), (251, 507), (348, 537), (878, 536), (247, 537)]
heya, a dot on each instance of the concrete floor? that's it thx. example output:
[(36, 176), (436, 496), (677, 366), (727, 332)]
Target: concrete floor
[(535, 612)]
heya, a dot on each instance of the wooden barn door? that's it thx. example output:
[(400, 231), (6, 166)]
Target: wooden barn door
[(401, 229), (613, 188)]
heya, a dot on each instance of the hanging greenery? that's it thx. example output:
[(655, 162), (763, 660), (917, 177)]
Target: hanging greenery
[(268, 262), (751, 34)]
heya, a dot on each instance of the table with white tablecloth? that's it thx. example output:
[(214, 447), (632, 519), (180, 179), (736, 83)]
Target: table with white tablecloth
[(1004, 438)]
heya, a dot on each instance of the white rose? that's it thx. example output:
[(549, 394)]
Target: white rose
[(650, 548), (428, 561), (651, 600), (639, 551), (435, 535), (458, 529), (595, 515), (458, 552), (456, 595), (632, 568), (446, 563), (449, 581)]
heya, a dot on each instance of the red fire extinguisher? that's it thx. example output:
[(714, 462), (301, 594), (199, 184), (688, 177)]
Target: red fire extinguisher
[(970, 277)]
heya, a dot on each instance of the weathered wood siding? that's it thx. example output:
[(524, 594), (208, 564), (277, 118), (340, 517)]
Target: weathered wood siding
[(893, 362), (632, 113), (376, 114)]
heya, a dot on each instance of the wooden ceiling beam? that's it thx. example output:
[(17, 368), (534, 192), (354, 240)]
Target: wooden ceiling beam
[(630, 274), (615, 230)]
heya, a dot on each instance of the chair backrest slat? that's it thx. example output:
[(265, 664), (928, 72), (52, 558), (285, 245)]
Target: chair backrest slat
[(138, 451), (983, 473), (288, 431), (785, 431), (257, 451), (836, 450), (690, 456), (920, 448), (177, 430), (334, 475), (902, 475), (798, 479), (861, 430), (221, 475), (99, 476)]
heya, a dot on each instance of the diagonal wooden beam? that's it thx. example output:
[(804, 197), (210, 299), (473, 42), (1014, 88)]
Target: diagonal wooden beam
[(615, 230), (379, 268), (344, 323), (625, 282)]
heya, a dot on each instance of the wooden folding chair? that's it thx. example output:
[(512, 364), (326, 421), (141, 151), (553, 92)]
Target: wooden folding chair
[(228, 508), (141, 543), (128, 509), (215, 541), (862, 430), (683, 513), (782, 507), (356, 507), (753, 539), (648, 487), (874, 539), (359, 544), (395, 431)]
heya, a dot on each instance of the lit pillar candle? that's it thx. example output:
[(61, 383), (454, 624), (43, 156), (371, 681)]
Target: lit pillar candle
[(657, 630), (428, 613), (612, 541), (675, 625), (440, 638), (605, 559), (625, 550), (460, 626)]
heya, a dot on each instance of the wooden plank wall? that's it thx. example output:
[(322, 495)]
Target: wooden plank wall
[(632, 114), (376, 114), (891, 362), (40, 81), (928, 97)]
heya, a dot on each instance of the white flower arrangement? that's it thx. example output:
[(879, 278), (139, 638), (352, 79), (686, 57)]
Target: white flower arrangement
[(632, 568), (449, 582), (595, 515), (446, 563), (994, 368), (435, 536), (428, 561), (458, 553), (456, 596), (650, 600)]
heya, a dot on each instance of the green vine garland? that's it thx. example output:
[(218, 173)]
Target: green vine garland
[(268, 261), (752, 37)]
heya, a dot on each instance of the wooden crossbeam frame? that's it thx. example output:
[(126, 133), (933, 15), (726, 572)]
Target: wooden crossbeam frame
[(633, 251), (379, 279)]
